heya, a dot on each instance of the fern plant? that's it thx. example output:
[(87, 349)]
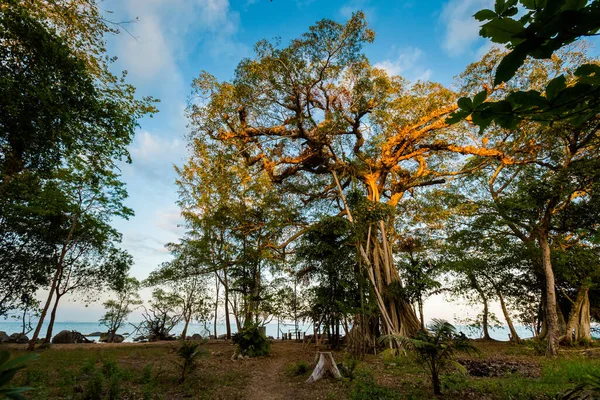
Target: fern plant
[(188, 352), (589, 389), (436, 349), (8, 370)]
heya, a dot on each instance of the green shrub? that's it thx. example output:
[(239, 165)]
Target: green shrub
[(297, 368), (348, 366), (251, 342), (188, 352), (146, 374)]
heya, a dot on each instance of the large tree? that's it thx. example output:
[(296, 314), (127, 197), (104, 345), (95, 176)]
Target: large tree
[(316, 116)]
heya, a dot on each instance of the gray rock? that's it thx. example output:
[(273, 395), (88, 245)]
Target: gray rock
[(118, 339), (196, 336), (68, 337), (4, 338), (140, 338), (94, 334), (18, 338)]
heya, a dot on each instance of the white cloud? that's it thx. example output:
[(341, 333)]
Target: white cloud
[(461, 29), (150, 148), (406, 63)]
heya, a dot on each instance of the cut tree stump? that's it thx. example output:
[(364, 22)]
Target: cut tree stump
[(325, 366)]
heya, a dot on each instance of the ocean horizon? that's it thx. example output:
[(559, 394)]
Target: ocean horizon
[(8, 326)]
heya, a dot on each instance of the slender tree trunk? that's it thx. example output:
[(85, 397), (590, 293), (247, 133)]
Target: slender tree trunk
[(421, 314), (226, 294), (216, 305), (186, 318), (514, 336), (53, 286), (486, 312), (38, 328), (551, 308), (52, 318)]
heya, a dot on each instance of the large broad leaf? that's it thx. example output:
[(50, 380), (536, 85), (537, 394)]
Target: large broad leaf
[(502, 30), (465, 103), (457, 117), (480, 98), (534, 4), (530, 98), (484, 15), (555, 86), (511, 63)]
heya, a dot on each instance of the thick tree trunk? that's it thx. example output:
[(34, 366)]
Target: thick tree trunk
[(397, 315), (325, 366), (578, 326), (514, 336), (551, 308)]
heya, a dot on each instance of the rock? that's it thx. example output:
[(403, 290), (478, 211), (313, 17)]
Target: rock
[(196, 336), (4, 338), (223, 336), (126, 334), (246, 357), (216, 354), (68, 337), (18, 338), (94, 334), (140, 338), (240, 357), (118, 339)]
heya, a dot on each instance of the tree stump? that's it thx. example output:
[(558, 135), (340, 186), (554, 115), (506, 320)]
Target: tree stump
[(325, 366)]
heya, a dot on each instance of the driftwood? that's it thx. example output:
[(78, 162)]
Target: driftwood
[(325, 366)]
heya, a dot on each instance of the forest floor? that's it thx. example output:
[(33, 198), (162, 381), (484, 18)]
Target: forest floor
[(151, 371)]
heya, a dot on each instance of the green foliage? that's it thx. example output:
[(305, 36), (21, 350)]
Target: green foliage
[(542, 29), (101, 383), (188, 352), (297, 368), (251, 342), (436, 349), (348, 366), (8, 370), (590, 389)]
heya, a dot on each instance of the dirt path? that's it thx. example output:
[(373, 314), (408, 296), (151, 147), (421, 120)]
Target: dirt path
[(270, 380)]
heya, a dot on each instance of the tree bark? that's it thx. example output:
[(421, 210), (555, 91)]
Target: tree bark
[(325, 366), (514, 336), (551, 308), (52, 318), (578, 326)]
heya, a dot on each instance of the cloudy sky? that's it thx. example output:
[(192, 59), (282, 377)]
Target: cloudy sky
[(172, 41)]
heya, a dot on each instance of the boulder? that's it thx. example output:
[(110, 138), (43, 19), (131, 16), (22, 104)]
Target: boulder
[(196, 336), (94, 334), (140, 338), (68, 337), (18, 338), (4, 338), (118, 339), (223, 336)]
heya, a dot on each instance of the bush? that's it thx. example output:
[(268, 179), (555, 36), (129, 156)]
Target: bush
[(188, 352), (297, 368), (251, 342)]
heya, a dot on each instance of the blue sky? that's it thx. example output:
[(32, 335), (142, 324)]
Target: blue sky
[(173, 40)]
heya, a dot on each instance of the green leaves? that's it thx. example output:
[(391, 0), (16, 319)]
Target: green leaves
[(555, 87), (483, 15), (502, 30), (8, 369)]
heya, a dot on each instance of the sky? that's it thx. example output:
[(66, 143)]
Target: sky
[(171, 41)]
